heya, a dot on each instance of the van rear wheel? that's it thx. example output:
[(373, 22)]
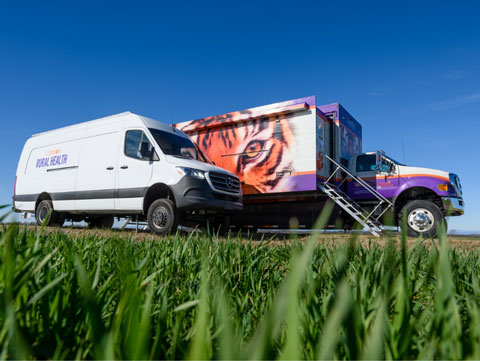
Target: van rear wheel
[(162, 217), (60, 220), (44, 208)]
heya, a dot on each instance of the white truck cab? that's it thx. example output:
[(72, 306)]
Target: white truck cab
[(122, 165)]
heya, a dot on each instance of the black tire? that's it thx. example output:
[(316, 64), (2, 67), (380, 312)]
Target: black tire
[(162, 217), (43, 209), (220, 225), (101, 222), (423, 218), (60, 220)]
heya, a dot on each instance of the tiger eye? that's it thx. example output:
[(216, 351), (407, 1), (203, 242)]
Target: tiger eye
[(253, 149)]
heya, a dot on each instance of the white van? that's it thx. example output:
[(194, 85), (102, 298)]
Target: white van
[(122, 165)]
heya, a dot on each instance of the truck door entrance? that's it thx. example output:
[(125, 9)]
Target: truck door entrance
[(382, 179), (365, 169)]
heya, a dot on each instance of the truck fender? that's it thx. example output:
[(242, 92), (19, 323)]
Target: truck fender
[(415, 193)]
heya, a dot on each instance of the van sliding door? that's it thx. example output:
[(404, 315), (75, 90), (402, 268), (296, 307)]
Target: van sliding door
[(95, 184)]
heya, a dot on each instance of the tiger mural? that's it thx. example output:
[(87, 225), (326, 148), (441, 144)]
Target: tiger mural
[(260, 152)]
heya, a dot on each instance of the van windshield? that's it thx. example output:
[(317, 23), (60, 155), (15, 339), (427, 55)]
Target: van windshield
[(175, 145)]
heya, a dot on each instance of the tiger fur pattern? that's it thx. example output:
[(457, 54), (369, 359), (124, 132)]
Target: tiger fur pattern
[(259, 152)]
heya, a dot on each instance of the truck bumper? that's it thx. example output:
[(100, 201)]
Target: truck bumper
[(453, 206), (195, 194)]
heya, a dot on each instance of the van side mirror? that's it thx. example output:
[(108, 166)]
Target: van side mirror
[(144, 151)]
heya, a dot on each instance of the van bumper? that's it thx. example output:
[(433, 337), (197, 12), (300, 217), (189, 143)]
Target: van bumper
[(453, 206), (195, 194)]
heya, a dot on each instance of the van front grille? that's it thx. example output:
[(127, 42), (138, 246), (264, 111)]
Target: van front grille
[(225, 182)]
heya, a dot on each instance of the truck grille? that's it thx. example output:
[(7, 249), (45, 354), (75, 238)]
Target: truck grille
[(224, 182), (455, 180)]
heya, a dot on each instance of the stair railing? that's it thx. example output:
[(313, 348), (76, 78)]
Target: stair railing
[(365, 185)]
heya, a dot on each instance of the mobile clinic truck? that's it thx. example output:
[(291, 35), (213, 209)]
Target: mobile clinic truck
[(122, 165), (292, 157)]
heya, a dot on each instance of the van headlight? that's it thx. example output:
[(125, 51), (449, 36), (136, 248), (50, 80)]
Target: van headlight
[(191, 172)]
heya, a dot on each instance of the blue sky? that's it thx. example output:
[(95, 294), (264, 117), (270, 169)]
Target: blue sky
[(407, 71)]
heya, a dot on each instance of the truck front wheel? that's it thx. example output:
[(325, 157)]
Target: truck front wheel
[(162, 217), (423, 218)]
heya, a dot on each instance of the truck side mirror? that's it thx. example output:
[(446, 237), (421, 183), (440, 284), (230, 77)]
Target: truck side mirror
[(381, 165)]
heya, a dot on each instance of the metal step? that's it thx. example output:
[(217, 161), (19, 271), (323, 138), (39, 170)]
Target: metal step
[(368, 220), (355, 211)]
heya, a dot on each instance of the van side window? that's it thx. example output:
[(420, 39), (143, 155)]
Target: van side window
[(365, 162), (133, 145)]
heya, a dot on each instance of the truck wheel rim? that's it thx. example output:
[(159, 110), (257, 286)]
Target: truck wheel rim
[(160, 216), (42, 213), (420, 220)]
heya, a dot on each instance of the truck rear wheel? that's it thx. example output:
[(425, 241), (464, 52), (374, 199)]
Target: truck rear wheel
[(423, 218), (43, 209), (162, 217), (102, 222)]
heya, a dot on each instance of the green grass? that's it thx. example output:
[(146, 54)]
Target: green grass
[(77, 297)]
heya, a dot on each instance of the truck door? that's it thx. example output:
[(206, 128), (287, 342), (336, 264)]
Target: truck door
[(134, 170), (385, 182), (365, 169), (95, 183), (388, 180)]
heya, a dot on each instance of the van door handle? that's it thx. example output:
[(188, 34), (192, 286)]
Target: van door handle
[(124, 166), (110, 168)]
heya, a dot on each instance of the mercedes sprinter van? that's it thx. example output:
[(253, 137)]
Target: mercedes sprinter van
[(122, 165)]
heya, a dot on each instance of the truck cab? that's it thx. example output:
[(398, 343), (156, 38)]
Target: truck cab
[(424, 196)]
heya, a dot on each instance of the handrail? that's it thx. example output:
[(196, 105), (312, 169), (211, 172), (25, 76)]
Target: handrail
[(359, 180)]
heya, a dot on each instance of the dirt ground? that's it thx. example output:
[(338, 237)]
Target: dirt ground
[(470, 242)]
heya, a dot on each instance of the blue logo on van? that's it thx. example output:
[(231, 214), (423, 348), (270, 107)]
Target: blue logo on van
[(52, 161)]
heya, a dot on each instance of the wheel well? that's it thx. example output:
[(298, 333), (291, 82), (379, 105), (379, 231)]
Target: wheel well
[(416, 193), (155, 192), (43, 196)]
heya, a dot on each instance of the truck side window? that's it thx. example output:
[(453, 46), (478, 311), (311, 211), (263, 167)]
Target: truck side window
[(133, 144), (366, 163)]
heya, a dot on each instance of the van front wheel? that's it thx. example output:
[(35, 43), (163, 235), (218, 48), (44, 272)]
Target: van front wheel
[(162, 217)]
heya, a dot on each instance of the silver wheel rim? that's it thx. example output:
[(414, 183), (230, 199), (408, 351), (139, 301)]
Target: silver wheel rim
[(160, 217), (42, 213), (420, 220)]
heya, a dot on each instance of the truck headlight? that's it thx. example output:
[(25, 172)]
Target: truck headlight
[(443, 187), (191, 172)]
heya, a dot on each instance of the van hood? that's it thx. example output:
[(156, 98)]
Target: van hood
[(427, 172), (196, 164)]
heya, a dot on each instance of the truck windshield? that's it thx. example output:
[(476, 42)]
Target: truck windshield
[(175, 145), (394, 161)]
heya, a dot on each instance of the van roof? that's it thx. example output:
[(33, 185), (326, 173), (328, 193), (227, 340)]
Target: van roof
[(84, 124)]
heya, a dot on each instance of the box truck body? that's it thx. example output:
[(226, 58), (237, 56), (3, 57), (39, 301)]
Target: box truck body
[(293, 156), (117, 166), (278, 148)]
